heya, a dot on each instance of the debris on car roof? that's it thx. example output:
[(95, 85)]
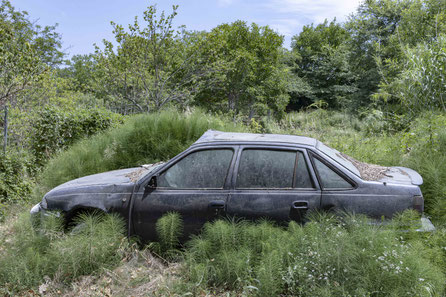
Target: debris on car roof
[(135, 175), (370, 172)]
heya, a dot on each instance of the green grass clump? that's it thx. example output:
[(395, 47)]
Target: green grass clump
[(326, 257), (142, 139), (169, 229), (29, 256)]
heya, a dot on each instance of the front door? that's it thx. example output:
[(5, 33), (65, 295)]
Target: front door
[(194, 186), (273, 183)]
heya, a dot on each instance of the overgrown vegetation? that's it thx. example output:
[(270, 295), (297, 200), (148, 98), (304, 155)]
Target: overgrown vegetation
[(371, 87), (143, 139), (54, 129), (326, 257), (170, 230), (29, 257)]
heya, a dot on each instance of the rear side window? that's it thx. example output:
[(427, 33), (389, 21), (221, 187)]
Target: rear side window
[(199, 170), (266, 169), (302, 179), (329, 178)]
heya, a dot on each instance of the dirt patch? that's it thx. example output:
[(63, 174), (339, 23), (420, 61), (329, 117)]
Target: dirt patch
[(140, 274), (370, 172)]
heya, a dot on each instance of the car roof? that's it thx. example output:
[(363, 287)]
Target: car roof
[(219, 136)]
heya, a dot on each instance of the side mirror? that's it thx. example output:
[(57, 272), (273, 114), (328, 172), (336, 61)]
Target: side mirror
[(152, 183)]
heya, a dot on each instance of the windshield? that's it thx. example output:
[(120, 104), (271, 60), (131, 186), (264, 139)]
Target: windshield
[(337, 156)]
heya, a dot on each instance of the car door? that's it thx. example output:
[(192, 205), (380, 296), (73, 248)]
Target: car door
[(194, 186), (274, 183), (342, 192)]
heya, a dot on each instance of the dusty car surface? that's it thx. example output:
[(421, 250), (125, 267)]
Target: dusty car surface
[(251, 176)]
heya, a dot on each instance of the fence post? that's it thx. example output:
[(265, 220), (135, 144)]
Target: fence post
[(5, 132)]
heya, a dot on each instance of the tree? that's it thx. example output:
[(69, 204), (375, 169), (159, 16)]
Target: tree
[(374, 43), (421, 84), (153, 65), (381, 31), (320, 68), (26, 51), (81, 71), (247, 76)]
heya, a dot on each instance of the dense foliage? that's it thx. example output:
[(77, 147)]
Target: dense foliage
[(326, 257), (55, 129), (26, 51), (30, 257)]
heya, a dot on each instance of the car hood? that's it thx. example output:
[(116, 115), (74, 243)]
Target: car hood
[(402, 175), (116, 177), (127, 176)]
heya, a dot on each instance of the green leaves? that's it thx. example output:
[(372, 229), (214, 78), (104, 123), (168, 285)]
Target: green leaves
[(421, 85), (54, 129), (152, 66), (321, 69), (247, 76), (26, 50)]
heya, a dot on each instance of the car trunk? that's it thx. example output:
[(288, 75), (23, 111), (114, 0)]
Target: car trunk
[(401, 175)]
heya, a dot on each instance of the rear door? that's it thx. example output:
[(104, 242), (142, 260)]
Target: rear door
[(342, 192), (274, 183), (196, 186)]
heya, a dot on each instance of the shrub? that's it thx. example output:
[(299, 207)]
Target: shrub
[(15, 180), (54, 129), (325, 257), (420, 85)]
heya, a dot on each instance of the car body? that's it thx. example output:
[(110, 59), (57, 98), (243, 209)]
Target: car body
[(251, 176)]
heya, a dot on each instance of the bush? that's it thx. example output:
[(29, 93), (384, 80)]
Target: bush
[(54, 129), (30, 256), (326, 257), (420, 85), (15, 181)]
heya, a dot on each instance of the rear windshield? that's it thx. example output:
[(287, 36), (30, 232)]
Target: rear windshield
[(337, 157)]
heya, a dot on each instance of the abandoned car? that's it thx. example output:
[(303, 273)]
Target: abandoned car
[(251, 176)]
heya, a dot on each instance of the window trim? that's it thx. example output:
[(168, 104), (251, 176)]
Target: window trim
[(273, 148), (339, 172), (188, 153)]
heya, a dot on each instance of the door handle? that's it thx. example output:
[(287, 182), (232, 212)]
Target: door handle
[(217, 204), (301, 205), (298, 210), (216, 207)]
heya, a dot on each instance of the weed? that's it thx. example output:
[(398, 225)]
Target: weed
[(169, 229), (325, 257), (29, 256)]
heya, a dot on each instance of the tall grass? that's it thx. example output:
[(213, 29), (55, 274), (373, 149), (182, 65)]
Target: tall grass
[(326, 257), (142, 139), (28, 256)]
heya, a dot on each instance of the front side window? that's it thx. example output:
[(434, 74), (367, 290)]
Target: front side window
[(329, 178), (199, 170), (266, 169)]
